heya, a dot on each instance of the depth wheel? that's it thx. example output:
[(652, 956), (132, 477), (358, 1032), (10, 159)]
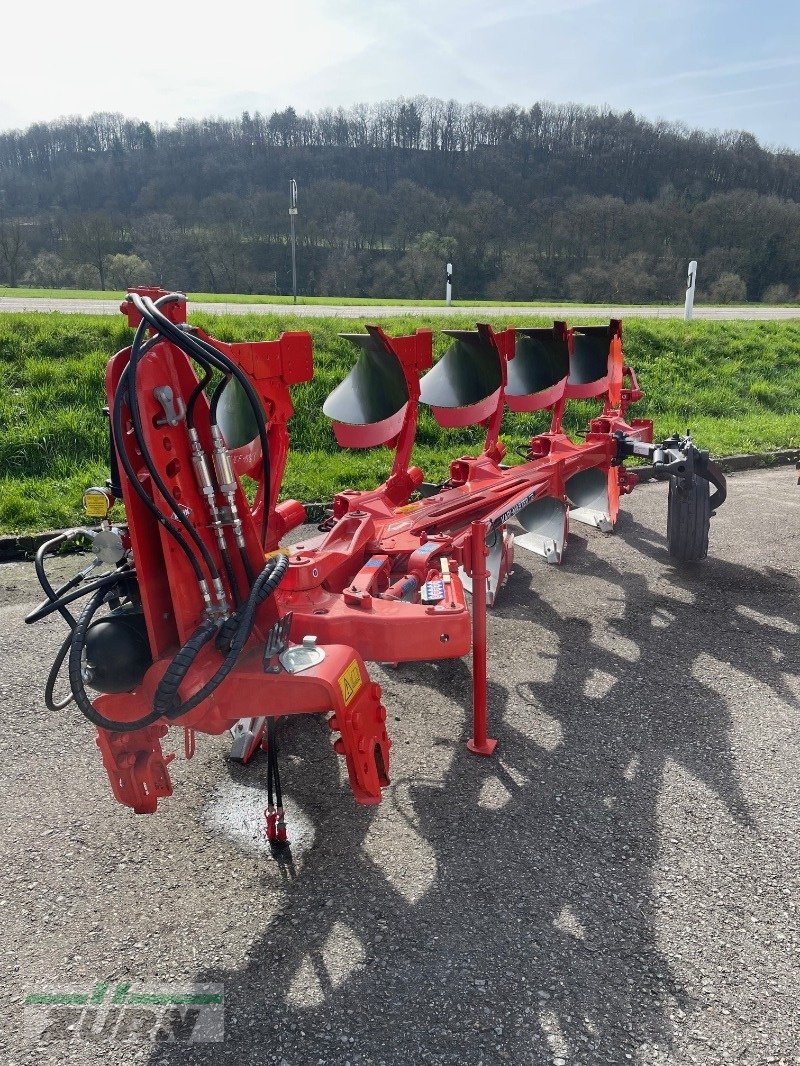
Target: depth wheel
[(688, 519)]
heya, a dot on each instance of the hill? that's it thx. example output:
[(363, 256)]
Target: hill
[(537, 203)]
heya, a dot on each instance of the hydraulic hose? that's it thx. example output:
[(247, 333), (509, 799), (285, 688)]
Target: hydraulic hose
[(212, 413), (203, 352), (49, 689), (51, 593), (167, 691), (195, 396), (215, 398), (102, 582), (137, 486), (77, 642), (222, 543), (717, 478), (118, 436), (158, 481), (274, 790)]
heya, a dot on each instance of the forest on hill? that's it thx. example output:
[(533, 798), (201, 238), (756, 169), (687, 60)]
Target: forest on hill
[(548, 202)]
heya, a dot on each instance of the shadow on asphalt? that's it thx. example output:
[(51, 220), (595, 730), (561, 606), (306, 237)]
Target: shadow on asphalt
[(542, 910)]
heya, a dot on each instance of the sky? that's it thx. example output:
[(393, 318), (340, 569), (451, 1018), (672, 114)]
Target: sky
[(710, 64)]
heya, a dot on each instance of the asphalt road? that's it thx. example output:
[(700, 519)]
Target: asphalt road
[(571, 311), (618, 884)]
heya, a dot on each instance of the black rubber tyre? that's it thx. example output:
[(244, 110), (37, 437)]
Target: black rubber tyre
[(688, 519)]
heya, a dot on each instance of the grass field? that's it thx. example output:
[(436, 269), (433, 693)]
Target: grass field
[(322, 301), (736, 385)]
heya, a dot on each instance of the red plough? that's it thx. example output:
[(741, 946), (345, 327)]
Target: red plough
[(210, 625)]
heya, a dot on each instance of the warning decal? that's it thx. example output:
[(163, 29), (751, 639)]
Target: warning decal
[(350, 682)]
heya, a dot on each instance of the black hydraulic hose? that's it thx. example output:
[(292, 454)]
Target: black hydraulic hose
[(102, 582), (273, 774), (202, 351), (713, 473), (195, 396), (215, 397), (228, 367), (114, 482), (273, 751), (270, 794), (167, 691), (77, 642), (231, 575), (51, 593), (226, 558), (158, 481), (49, 689), (137, 486)]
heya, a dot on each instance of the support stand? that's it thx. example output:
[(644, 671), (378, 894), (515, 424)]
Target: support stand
[(480, 744)]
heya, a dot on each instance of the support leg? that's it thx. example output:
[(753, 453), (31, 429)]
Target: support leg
[(480, 744)]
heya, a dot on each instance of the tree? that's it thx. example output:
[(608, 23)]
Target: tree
[(777, 294), (12, 251), (126, 271), (158, 239), (90, 238), (421, 271), (342, 275), (49, 271), (590, 285), (605, 205), (519, 278), (728, 289)]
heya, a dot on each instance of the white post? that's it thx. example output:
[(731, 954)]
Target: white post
[(292, 213), (690, 282), (448, 292)]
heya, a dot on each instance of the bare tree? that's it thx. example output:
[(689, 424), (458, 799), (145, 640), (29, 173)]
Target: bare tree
[(13, 251)]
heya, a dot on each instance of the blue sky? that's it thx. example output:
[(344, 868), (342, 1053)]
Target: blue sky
[(707, 63)]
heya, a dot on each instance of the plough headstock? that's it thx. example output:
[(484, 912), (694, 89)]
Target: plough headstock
[(209, 619)]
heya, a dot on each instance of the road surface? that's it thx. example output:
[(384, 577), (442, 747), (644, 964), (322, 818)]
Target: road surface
[(617, 885)]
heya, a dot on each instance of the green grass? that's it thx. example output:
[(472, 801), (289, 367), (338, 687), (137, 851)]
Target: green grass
[(240, 298), (736, 385), (324, 301)]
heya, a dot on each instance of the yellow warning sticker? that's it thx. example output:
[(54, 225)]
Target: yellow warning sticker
[(350, 682), (96, 503)]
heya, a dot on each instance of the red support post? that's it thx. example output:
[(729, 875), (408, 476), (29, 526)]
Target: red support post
[(480, 744)]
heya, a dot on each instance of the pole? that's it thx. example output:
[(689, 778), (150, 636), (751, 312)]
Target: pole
[(294, 263), (448, 291), (480, 744), (690, 283), (292, 213)]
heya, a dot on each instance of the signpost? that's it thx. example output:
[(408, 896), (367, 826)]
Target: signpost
[(292, 213), (690, 281), (448, 292)]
